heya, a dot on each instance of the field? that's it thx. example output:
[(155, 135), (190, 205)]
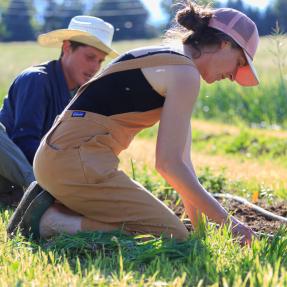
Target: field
[(239, 147)]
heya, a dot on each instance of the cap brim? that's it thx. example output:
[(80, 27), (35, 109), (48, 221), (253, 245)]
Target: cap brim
[(54, 39), (247, 76)]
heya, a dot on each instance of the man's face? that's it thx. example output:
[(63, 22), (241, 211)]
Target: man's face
[(81, 64)]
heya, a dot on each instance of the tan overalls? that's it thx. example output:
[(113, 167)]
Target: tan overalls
[(77, 163)]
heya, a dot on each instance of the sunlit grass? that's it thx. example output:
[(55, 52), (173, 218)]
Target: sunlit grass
[(210, 257)]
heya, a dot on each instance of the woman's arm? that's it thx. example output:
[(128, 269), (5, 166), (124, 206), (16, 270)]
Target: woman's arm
[(193, 213), (173, 151), (181, 93)]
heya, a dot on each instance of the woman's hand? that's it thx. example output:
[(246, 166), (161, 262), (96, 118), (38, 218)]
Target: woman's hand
[(242, 231)]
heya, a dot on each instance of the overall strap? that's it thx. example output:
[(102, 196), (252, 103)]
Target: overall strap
[(148, 61), (155, 60)]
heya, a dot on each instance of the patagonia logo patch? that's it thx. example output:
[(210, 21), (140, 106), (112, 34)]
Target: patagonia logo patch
[(78, 114)]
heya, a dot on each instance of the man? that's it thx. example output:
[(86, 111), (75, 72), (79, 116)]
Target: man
[(41, 92)]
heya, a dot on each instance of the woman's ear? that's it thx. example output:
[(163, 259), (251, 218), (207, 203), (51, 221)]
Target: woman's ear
[(225, 44)]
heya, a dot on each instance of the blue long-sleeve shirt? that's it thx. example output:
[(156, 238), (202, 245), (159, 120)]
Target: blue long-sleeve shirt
[(35, 98)]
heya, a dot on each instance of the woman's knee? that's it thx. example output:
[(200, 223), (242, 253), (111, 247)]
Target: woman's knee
[(180, 233)]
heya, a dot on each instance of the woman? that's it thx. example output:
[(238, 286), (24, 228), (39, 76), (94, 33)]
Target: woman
[(77, 161)]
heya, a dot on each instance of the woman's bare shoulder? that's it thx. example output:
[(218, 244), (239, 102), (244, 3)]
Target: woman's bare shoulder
[(163, 78)]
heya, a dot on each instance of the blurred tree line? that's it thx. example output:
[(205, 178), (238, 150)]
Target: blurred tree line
[(23, 20)]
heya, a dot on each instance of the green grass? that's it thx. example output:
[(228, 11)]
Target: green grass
[(210, 257), (246, 143), (262, 106)]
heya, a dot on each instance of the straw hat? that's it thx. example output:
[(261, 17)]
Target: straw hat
[(88, 30)]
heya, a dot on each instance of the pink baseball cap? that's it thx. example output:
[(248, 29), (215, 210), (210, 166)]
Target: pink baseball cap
[(244, 32)]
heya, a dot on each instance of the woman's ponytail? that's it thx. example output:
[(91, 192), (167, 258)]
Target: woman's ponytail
[(193, 17)]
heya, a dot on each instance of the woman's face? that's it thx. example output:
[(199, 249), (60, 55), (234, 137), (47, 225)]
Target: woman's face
[(223, 63)]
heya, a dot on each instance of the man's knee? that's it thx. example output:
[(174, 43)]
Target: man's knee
[(13, 164)]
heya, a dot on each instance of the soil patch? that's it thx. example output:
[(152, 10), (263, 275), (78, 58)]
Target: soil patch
[(257, 221)]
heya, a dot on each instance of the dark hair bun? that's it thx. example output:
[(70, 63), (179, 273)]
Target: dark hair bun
[(193, 17)]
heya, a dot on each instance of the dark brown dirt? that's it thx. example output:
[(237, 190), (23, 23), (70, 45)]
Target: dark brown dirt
[(256, 220), (253, 219)]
